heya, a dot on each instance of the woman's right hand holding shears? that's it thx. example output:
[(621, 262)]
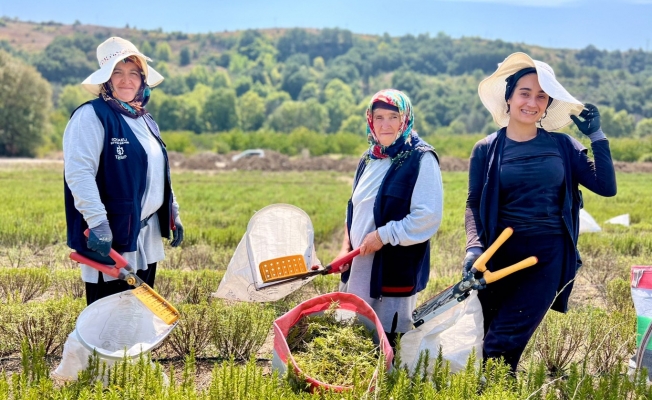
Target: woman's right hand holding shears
[(371, 244)]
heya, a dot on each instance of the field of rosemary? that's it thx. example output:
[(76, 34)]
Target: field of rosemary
[(222, 351)]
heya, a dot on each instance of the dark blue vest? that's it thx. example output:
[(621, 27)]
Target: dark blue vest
[(397, 271), (121, 179), (571, 205)]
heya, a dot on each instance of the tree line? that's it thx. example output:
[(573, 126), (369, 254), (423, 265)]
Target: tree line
[(321, 80)]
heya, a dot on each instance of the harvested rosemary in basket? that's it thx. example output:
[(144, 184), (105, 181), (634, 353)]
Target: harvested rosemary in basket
[(337, 352)]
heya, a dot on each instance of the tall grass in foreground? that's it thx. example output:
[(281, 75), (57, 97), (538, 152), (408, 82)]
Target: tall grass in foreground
[(234, 381)]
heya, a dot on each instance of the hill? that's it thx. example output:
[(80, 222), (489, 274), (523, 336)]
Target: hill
[(280, 80)]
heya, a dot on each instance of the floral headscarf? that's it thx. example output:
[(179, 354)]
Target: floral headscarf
[(399, 100), (134, 108)]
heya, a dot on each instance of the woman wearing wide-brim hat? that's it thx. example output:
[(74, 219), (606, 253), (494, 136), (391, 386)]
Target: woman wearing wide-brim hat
[(116, 170), (526, 176)]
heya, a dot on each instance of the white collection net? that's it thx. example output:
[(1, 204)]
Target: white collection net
[(115, 327), (278, 230)]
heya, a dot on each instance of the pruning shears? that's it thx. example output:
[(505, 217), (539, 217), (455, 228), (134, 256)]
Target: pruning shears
[(461, 290)]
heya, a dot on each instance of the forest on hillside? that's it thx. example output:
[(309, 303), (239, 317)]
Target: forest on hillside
[(321, 80)]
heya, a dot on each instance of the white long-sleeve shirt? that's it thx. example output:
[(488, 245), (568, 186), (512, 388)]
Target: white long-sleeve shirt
[(83, 141), (426, 209)]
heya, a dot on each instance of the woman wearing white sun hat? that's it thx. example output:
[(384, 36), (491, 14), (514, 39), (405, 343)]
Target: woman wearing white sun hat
[(525, 177), (116, 170)]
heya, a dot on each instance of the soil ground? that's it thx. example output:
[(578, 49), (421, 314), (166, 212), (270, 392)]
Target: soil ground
[(274, 161)]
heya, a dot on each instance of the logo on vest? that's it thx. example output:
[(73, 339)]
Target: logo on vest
[(119, 141), (119, 150), (120, 153)]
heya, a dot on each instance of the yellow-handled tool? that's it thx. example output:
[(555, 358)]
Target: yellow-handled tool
[(122, 270), (460, 291), (480, 265), (291, 268)]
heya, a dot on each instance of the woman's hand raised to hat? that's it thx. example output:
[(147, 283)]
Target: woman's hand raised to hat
[(591, 117)]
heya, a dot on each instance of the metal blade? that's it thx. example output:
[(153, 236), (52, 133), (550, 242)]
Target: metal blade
[(440, 302)]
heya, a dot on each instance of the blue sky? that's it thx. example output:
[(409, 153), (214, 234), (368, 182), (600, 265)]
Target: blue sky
[(606, 24)]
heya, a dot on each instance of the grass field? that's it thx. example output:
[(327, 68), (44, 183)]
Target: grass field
[(216, 207)]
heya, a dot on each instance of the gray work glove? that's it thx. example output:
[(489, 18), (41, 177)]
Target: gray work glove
[(591, 121), (177, 233), (472, 254), (100, 238)]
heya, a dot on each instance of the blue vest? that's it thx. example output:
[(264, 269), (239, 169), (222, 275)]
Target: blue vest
[(121, 179), (397, 271)]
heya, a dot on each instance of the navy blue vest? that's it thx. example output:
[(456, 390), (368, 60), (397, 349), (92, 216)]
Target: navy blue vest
[(121, 179), (397, 271), (571, 205)]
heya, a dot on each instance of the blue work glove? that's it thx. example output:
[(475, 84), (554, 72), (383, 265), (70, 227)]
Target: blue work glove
[(479, 286), (100, 238), (177, 234), (472, 254), (591, 121)]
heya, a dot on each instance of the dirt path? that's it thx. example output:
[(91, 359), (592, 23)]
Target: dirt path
[(274, 161)]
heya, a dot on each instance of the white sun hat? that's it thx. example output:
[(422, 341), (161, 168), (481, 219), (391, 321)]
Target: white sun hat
[(492, 92), (109, 53)]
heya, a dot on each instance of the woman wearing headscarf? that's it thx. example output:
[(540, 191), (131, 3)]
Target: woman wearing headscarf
[(117, 175), (395, 208), (526, 177)]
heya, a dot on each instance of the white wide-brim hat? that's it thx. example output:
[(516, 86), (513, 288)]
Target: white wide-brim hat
[(492, 92), (109, 53)]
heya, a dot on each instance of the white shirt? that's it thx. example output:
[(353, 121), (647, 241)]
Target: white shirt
[(426, 209), (83, 141)]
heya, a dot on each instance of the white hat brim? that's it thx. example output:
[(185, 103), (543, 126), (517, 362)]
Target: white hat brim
[(102, 75), (492, 92)]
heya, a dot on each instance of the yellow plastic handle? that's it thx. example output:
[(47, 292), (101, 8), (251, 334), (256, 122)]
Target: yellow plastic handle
[(156, 303), (490, 277), (480, 264)]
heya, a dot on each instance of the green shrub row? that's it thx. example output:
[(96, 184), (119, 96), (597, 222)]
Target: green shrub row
[(28, 283), (248, 381), (212, 329), (599, 341), (221, 330), (45, 323), (622, 149), (289, 144)]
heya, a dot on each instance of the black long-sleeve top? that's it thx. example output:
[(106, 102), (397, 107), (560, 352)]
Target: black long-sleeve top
[(482, 205)]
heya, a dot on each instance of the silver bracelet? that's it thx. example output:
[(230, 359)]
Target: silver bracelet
[(377, 236)]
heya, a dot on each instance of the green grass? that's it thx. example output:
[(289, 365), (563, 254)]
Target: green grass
[(31, 210), (216, 208), (633, 198)]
